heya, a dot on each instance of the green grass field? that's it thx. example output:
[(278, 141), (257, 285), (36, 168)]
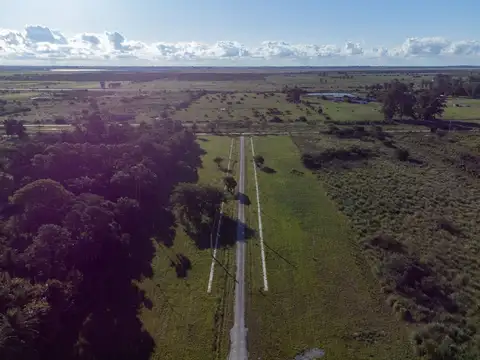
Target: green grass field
[(252, 106), (185, 321), (19, 95), (240, 106), (6, 84), (321, 293), (346, 112), (172, 85), (469, 109)]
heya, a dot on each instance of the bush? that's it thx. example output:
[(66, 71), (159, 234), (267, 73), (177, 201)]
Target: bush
[(386, 242), (276, 119), (319, 159), (448, 226), (388, 143), (60, 120), (441, 132), (259, 160), (437, 342), (402, 154)]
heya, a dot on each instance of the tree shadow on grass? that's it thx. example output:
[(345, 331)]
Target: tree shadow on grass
[(243, 198), (203, 139), (182, 265), (206, 237), (268, 170), (225, 170), (165, 228)]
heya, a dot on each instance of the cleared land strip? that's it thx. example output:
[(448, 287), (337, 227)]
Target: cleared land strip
[(260, 227), (238, 333), (217, 237)]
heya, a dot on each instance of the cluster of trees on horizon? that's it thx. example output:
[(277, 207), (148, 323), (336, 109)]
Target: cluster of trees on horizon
[(426, 102)]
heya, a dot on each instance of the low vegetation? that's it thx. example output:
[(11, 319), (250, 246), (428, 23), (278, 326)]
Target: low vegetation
[(412, 205)]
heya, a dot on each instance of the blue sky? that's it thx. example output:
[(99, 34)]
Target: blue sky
[(370, 24)]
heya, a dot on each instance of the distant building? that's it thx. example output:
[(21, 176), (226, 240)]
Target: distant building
[(114, 85)]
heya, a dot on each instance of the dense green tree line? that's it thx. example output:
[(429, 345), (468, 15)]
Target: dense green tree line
[(78, 212)]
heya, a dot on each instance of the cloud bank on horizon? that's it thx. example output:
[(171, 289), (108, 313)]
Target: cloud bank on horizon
[(40, 44)]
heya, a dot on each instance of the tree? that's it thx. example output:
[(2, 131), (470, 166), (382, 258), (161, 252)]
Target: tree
[(294, 95), (23, 307), (230, 183), (14, 127), (429, 105), (442, 84), (398, 100), (212, 126), (218, 160), (195, 126), (43, 202), (6, 186), (195, 206), (47, 256), (259, 160)]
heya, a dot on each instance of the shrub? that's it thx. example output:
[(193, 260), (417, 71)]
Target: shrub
[(402, 154), (385, 242), (276, 119), (441, 132), (388, 143), (319, 159), (448, 226), (259, 160), (60, 120)]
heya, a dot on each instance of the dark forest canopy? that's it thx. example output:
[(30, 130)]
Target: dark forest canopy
[(78, 214)]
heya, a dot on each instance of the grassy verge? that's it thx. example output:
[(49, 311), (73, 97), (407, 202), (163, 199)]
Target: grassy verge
[(185, 321), (462, 109), (320, 292)]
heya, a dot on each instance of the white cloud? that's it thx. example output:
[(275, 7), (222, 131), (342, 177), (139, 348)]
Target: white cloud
[(90, 38), (38, 34), (465, 48), (41, 43), (353, 49)]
